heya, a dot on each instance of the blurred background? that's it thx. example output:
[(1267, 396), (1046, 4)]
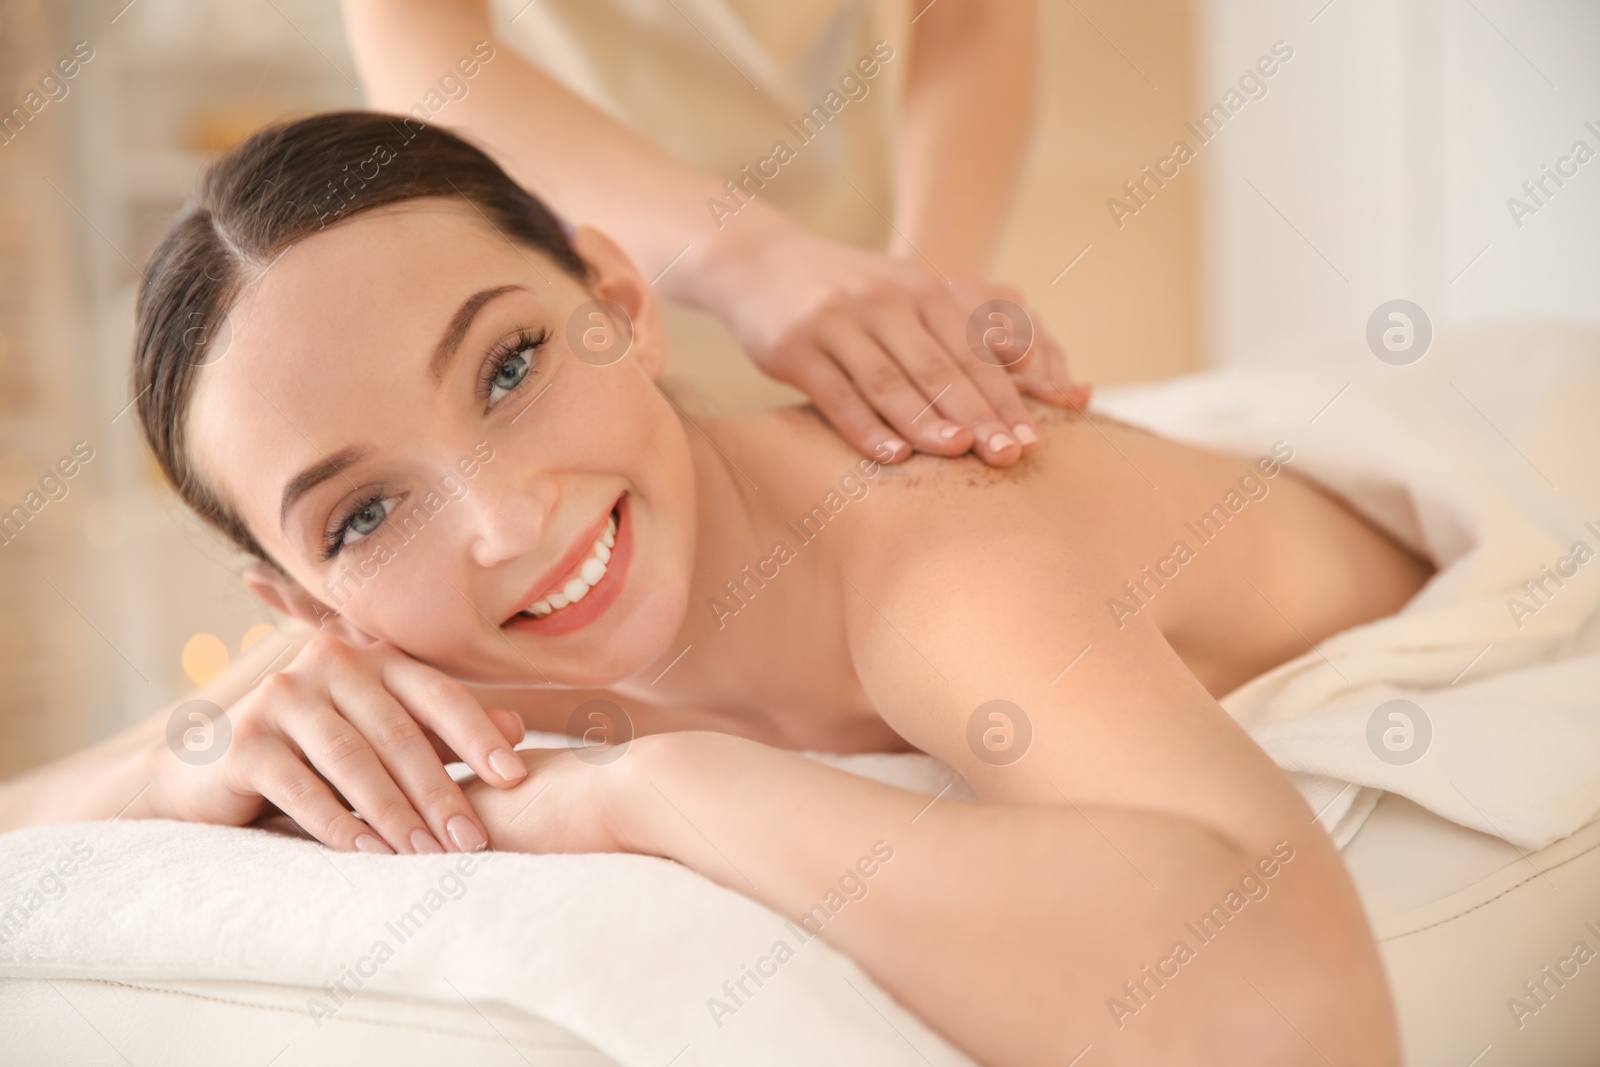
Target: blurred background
[(1380, 163)]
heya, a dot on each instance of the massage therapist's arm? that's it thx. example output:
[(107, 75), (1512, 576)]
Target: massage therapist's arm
[(871, 338), (967, 120)]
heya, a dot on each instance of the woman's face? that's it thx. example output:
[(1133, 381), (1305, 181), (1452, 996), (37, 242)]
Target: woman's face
[(421, 422)]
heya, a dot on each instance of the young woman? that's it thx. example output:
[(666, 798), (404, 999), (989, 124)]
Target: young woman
[(390, 391)]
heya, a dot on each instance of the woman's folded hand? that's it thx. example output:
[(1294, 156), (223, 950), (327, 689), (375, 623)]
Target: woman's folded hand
[(369, 727), (564, 805)]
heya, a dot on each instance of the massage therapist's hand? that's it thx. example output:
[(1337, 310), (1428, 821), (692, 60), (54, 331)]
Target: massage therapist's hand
[(367, 724), (881, 345)]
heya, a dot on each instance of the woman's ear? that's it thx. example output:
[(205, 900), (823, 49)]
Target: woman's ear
[(283, 594), (613, 277)]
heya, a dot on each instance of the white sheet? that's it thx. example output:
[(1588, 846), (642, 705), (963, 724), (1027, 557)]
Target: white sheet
[(1485, 457)]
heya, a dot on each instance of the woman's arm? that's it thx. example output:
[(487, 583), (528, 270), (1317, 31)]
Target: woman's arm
[(967, 120), (308, 724), (112, 778), (1139, 877), (1011, 929)]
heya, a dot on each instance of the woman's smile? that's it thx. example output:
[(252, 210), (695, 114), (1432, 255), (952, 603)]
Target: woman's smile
[(586, 581)]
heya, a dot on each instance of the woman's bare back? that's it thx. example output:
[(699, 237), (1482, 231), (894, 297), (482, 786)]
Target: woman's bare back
[(1241, 562)]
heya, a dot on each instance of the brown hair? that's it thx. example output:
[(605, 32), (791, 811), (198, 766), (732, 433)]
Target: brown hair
[(282, 185)]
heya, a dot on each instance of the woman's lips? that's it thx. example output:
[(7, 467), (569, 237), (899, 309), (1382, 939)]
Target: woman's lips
[(600, 596)]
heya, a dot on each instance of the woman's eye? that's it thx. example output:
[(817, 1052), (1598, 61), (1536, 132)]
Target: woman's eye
[(509, 375), (367, 519)]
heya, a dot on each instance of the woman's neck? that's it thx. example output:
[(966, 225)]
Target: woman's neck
[(763, 627)]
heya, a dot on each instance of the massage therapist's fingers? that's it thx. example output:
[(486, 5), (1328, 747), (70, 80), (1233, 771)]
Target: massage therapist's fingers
[(900, 387), (951, 387), (445, 706), (946, 316), (279, 775), (1045, 377), (842, 405)]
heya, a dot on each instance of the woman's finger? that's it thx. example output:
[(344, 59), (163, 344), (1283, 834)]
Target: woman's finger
[(280, 776), (439, 702), (897, 385), (510, 724), (343, 756), (842, 404), (412, 763)]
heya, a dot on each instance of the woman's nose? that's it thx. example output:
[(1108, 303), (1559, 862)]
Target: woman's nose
[(506, 516)]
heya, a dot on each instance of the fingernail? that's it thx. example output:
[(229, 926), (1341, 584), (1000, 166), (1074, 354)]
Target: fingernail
[(1000, 442), (893, 445), (507, 765), (950, 431), (464, 834), (1025, 433), (368, 843), (423, 843)]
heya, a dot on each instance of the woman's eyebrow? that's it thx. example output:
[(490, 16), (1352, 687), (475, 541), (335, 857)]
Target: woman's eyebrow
[(460, 323), (315, 475)]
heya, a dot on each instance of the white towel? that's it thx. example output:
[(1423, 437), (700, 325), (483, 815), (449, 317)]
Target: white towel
[(1483, 456), (626, 952)]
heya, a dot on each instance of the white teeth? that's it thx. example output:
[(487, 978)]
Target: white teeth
[(589, 574)]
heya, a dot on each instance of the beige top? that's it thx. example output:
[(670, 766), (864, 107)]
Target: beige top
[(797, 94)]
